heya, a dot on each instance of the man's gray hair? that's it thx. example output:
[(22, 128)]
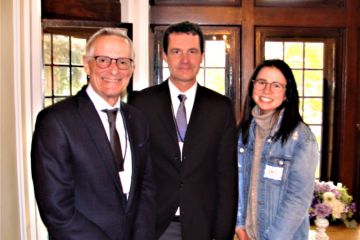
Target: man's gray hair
[(109, 32)]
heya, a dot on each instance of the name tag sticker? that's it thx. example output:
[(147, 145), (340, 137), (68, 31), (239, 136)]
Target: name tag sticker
[(272, 172)]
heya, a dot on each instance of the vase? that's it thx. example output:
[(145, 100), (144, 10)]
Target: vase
[(321, 225)]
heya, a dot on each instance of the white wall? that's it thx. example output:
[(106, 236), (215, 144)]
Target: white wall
[(9, 204), (137, 12)]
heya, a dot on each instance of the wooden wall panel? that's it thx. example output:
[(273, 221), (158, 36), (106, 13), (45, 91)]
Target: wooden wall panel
[(300, 17), (101, 10), (356, 177), (349, 98), (300, 3), (210, 15), (196, 2)]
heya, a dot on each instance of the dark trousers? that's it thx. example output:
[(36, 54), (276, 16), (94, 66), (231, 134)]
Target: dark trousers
[(173, 232)]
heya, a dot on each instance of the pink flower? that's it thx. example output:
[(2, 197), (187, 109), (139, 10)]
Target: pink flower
[(322, 210)]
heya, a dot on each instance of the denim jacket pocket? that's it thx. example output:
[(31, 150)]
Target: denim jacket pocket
[(276, 170)]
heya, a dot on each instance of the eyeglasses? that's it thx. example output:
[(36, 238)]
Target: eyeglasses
[(276, 87), (105, 62)]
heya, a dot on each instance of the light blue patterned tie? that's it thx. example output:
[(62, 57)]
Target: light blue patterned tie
[(181, 118)]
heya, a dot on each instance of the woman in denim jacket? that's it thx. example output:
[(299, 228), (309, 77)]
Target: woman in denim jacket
[(277, 157)]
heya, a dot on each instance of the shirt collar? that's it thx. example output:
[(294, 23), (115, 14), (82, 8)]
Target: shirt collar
[(99, 103), (190, 93)]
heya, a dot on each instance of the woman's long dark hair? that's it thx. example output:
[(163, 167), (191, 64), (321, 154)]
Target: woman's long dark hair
[(291, 116)]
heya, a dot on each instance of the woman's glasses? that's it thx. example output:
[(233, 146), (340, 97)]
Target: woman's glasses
[(276, 87)]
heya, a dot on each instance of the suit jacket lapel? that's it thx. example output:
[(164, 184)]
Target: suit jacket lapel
[(97, 133), (165, 111), (130, 132), (197, 119), (196, 112)]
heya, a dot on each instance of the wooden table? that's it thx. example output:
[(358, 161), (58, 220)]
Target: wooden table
[(340, 232)]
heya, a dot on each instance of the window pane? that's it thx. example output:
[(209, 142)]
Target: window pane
[(200, 77), (298, 74), (61, 49), (301, 107), (293, 54), (47, 102), (215, 54), (215, 80), (78, 79), (61, 81), (77, 50), (314, 83), (274, 50), (314, 55), (313, 110), (166, 73), (58, 99), (165, 65), (47, 81), (317, 132), (47, 48)]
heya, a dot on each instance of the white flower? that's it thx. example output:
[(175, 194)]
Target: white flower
[(328, 197), (336, 206)]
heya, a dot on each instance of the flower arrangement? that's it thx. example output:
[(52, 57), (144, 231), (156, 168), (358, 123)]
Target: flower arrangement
[(333, 201)]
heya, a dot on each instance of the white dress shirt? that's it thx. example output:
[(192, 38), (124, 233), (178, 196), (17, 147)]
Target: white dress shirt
[(189, 104), (100, 104)]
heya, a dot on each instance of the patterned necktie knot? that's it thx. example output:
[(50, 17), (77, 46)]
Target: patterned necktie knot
[(182, 98)]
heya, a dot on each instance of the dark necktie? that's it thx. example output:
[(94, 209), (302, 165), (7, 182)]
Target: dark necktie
[(114, 138), (181, 118)]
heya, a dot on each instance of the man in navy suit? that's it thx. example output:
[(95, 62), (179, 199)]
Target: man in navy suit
[(196, 172), (82, 191)]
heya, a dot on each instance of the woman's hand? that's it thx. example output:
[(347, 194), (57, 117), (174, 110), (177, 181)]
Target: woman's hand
[(241, 234)]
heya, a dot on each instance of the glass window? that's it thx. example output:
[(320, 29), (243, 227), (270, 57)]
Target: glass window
[(63, 73), (306, 59)]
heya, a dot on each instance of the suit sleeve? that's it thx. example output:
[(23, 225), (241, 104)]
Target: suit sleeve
[(52, 173), (145, 218), (227, 179)]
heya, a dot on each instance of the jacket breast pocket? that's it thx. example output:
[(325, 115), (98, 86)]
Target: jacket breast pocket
[(276, 171)]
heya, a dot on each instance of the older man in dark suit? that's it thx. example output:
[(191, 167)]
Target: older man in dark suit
[(90, 154), (193, 145)]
